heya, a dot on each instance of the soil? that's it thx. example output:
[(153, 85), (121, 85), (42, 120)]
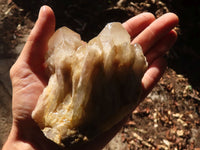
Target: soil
[(169, 118)]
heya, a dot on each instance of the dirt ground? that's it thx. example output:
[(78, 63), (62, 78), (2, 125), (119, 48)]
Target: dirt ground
[(169, 118)]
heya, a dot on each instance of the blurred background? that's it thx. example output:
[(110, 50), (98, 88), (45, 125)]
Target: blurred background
[(169, 116)]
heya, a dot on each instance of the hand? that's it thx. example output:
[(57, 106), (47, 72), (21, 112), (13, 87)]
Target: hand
[(156, 37), (28, 75), (28, 81)]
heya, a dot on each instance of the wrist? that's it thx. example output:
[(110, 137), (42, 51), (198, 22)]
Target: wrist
[(30, 138), (13, 143), (17, 145)]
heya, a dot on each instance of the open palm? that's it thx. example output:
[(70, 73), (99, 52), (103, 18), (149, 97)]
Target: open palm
[(28, 74)]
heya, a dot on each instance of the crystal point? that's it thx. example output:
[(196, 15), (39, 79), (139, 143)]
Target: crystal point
[(92, 85)]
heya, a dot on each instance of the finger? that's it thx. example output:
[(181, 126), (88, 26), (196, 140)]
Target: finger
[(161, 47), (156, 30), (36, 45), (153, 75), (138, 23)]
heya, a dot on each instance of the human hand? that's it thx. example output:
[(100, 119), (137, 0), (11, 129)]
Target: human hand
[(156, 38), (28, 81), (28, 75)]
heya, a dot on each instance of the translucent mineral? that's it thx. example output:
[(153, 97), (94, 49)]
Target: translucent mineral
[(92, 86)]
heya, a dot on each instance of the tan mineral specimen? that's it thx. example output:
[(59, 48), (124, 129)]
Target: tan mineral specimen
[(92, 86)]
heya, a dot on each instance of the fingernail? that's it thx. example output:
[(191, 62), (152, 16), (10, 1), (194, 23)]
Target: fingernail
[(42, 9)]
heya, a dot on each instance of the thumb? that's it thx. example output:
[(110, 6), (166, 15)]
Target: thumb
[(37, 43)]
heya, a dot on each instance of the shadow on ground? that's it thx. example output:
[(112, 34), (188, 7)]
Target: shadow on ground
[(185, 57)]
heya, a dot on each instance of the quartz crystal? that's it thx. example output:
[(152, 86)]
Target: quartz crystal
[(92, 86)]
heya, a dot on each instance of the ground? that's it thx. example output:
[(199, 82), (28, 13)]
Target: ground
[(169, 118)]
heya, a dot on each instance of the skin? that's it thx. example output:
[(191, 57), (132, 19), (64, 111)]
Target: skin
[(156, 36)]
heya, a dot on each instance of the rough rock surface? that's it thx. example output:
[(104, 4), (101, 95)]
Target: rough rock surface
[(92, 85)]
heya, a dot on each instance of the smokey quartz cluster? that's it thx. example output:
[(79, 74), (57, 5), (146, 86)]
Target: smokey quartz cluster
[(92, 86)]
